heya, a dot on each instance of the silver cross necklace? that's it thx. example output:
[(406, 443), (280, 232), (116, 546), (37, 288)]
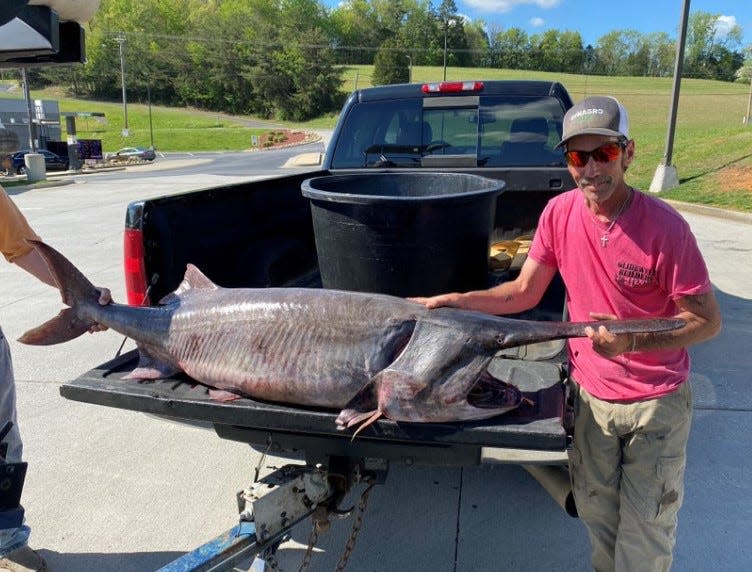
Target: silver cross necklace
[(609, 228)]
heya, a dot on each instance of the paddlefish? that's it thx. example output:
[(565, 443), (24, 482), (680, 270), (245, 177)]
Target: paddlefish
[(367, 355)]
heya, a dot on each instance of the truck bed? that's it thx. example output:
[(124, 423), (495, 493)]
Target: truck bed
[(281, 429)]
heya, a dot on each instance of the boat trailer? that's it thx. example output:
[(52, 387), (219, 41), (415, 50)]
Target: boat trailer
[(275, 503)]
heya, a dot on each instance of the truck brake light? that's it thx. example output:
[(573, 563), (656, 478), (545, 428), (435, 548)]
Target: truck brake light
[(135, 271), (452, 86)]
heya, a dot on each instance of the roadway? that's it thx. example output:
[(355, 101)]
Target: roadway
[(113, 490)]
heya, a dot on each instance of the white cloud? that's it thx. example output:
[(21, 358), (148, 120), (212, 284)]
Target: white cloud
[(537, 22), (724, 24), (502, 6)]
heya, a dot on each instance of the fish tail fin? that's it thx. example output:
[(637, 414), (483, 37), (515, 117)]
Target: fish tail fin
[(62, 328), (75, 290)]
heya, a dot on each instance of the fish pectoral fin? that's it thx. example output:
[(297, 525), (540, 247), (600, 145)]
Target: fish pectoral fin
[(62, 328), (362, 403), (150, 368), (365, 419), (223, 395), (150, 373)]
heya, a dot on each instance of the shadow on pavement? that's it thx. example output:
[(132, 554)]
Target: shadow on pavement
[(108, 562), (721, 367)]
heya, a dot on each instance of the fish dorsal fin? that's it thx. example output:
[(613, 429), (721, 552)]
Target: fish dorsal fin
[(194, 279)]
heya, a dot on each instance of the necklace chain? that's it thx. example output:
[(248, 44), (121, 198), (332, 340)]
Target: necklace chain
[(605, 233)]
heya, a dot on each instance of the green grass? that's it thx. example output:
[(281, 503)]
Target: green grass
[(712, 149)]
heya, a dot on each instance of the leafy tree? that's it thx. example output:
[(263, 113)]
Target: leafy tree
[(572, 57), (744, 73), (661, 56), (357, 31), (390, 64), (610, 53), (477, 43), (294, 75), (709, 53), (512, 49), (419, 34)]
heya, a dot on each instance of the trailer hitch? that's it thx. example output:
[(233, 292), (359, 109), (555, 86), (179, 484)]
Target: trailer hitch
[(274, 504)]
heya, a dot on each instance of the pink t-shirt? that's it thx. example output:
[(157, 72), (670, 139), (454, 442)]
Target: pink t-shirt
[(650, 260)]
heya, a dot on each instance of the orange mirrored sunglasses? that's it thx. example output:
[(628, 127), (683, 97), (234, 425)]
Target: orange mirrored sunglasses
[(604, 154)]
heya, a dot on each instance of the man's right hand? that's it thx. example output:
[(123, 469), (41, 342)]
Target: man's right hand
[(438, 301)]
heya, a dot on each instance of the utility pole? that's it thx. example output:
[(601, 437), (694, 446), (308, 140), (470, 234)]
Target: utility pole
[(666, 176), (30, 114), (747, 118), (151, 127), (446, 29), (120, 39)]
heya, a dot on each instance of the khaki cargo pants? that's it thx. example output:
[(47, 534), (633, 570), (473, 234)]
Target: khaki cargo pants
[(627, 465)]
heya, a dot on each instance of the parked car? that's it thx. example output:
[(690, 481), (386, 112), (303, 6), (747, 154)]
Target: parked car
[(132, 153), (52, 161)]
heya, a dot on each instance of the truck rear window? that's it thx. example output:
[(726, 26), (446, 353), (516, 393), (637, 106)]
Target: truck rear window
[(486, 131)]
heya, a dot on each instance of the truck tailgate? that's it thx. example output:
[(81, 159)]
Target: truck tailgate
[(276, 427)]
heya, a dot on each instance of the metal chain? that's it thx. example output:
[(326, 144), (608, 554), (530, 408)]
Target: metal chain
[(357, 523), (312, 539), (321, 524), (320, 521)]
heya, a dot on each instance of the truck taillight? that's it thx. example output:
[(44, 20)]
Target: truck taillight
[(135, 271), (453, 87)]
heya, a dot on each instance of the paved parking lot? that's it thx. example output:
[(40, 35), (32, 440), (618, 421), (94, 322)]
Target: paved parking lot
[(113, 490)]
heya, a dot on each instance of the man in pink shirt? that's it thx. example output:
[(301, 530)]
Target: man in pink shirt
[(622, 254)]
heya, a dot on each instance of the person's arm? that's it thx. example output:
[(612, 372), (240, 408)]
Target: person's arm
[(34, 264), (703, 321), (511, 297)]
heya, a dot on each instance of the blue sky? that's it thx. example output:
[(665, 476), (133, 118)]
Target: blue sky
[(594, 18)]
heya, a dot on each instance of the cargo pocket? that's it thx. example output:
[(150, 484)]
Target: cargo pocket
[(577, 478), (663, 496), (575, 462)]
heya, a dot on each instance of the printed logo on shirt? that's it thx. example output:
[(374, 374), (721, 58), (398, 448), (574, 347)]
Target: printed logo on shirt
[(634, 275)]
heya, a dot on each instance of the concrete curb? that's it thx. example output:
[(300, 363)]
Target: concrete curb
[(46, 184), (715, 212), (305, 160)]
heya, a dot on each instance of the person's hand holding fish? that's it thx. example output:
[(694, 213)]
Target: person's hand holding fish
[(105, 297), (604, 342)]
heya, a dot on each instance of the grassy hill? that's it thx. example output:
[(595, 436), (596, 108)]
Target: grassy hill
[(712, 147)]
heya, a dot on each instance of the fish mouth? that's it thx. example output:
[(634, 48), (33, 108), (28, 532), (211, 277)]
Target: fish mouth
[(489, 392)]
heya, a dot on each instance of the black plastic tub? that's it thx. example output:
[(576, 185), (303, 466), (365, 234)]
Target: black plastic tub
[(405, 234)]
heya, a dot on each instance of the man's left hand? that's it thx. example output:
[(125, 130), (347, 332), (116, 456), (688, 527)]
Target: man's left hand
[(604, 342)]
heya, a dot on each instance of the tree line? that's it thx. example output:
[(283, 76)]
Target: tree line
[(283, 58)]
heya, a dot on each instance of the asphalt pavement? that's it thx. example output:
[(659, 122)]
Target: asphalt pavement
[(114, 490)]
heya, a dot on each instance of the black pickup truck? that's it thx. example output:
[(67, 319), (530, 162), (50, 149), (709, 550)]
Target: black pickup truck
[(260, 234)]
